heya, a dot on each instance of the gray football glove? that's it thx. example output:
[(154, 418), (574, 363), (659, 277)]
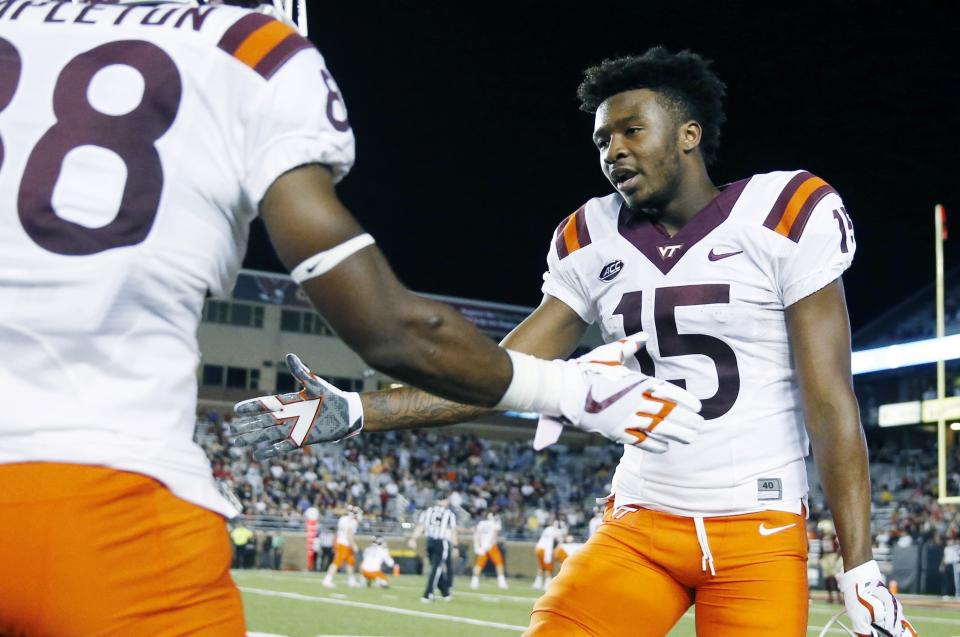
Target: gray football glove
[(319, 413)]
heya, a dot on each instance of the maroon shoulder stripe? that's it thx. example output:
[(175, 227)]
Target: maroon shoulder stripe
[(278, 56), (800, 222), (562, 251), (262, 43), (572, 234), (241, 30), (583, 232), (794, 205)]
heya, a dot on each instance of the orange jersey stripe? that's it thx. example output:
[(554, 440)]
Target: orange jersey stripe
[(261, 42), (570, 234), (796, 203)]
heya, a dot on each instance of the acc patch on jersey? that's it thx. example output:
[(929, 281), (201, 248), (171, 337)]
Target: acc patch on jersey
[(611, 270)]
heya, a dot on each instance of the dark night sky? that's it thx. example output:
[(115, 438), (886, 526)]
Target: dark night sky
[(470, 146)]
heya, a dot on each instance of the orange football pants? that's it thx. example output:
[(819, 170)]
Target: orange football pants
[(371, 576), (639, 573), (88, 550), (542, 560), (494, 556), (343, 555)]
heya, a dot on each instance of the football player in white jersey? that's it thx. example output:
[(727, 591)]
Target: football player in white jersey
[(486, 537), (551, 535), (345, 547), (739, 289), (137, 142), (375, 557)]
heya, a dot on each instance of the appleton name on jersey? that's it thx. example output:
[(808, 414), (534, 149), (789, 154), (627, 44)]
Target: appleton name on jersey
[(712, 299), (136, 143)]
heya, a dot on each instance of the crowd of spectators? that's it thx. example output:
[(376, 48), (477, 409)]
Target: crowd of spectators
[(392, 476)]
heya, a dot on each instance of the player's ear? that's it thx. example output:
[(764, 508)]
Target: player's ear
[(690, 133)]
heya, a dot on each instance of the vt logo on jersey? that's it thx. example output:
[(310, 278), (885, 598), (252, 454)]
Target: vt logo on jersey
[(611, 270), (667, 252)]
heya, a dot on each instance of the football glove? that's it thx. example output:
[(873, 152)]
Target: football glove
[(319, 413), (623, 405), (872, 609)]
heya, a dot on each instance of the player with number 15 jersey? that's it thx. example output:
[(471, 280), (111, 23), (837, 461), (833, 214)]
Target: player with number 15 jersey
[(712, 298), (739, 292)]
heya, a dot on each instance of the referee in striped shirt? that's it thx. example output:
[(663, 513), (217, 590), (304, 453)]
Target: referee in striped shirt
[(439, 524)]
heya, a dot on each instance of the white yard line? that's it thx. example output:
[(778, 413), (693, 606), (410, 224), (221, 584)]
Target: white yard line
[(385, 609), (457, 593), (499, 596)]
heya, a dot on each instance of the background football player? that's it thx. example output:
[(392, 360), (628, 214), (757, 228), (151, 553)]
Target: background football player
[(345, 547), (375, 557), (486, 537)]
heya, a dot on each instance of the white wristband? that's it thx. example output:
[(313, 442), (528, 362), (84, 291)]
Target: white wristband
[(866, 571), (323, 262), (537, 385)]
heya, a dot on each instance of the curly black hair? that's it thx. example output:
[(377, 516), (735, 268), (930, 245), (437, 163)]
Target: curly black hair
[(689, 88)]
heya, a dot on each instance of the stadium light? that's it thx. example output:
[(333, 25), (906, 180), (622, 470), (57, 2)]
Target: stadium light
[(930, 350)]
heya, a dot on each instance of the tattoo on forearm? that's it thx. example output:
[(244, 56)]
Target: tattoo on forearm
[(409, 408)]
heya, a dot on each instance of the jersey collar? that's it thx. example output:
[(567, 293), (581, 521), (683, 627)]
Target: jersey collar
[(664, 251)]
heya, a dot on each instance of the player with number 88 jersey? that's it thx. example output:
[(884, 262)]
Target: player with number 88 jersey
[(137, 141), (163, 143)]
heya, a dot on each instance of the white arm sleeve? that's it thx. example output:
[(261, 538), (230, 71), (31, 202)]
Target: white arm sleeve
[(561, 282), (824, 251)]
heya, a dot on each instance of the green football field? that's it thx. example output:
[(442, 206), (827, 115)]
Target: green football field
[(296, 605)]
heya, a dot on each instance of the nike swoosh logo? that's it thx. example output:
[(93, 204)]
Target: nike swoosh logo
[(767, 531), (313, 267), (595, 407), (713, 256)]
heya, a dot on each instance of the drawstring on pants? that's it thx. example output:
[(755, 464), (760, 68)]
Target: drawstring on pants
[(704, 545)]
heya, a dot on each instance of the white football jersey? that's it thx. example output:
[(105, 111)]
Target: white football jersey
[(549, 538), (486, 534), (346, 528), (374, 557), (712, 299), (136, 143)]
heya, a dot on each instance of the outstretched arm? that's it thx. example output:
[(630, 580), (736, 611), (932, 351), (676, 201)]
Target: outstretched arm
[(551, 331), (412, 338)]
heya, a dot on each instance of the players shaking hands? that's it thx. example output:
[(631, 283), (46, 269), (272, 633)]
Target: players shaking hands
[(597, 393)]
